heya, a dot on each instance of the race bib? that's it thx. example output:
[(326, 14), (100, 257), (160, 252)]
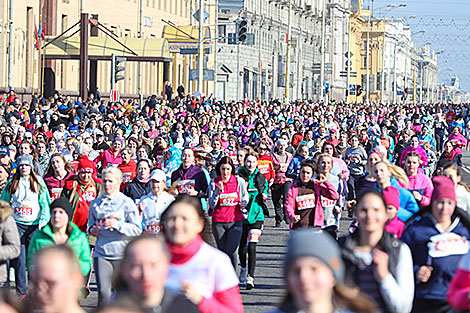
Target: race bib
[(284, 167), (55, 193), (159, 161), (228, 199), (263, 168), (443, 245), (325, 202), (23, 211), (126, 177), (305, 202), (254, 235), (185, 185), (89, 196), (153, 227), (234, 158)]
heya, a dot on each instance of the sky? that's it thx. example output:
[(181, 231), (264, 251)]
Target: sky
[(447, 26)]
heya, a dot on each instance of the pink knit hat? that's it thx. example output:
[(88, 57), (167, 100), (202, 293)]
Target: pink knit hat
[(443, 188), (392, 196)]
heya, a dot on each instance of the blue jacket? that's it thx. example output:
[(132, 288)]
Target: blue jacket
[(408, 204), (294, 167), (427, 138), (421, 237)]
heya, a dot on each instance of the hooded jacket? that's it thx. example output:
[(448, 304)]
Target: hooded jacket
[(128, 172), (408, 204), (420, 151), (77, 241), (10, 241), (191, 176), (423, 185), (55, 186)]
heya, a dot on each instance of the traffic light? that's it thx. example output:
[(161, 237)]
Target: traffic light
[(358, 90), (242, 29), (116, 69)]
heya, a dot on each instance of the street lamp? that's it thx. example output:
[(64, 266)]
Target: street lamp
[(440, 94)]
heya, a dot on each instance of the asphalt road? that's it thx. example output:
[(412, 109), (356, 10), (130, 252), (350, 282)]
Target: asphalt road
[(269, 282)]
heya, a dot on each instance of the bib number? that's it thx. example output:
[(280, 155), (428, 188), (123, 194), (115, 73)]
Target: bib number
[(126, 177), (23, 211), (228, 199), (263, 168), (55, 193), (327, 202), (283, 167), (254, 235), (305, 202), (153, 227), (443, 245), (185, 185)]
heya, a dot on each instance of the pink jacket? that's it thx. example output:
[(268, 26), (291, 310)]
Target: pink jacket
[(459, 287), (325, 189), (420, 151), (107, 157), (422, 184), (458, 141)]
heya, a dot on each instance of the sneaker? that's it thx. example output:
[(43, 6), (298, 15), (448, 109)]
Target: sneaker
[(250, 282), (242, 277)]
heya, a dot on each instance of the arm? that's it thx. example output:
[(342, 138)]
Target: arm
[(244, 196), (132, 224), (44, 202), (84, 257), (6, 196), (328, 191), (213, 195), (459, 288), (10, 247), (426, 198), (290, 169), (227, 301), (290, 203), (398, 292)]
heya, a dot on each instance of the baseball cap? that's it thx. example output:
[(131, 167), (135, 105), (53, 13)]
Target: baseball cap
[(4, 151), (158, 175)]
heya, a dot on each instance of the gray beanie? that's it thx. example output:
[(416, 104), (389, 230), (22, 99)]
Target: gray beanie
[(320, 245), (25, 159)]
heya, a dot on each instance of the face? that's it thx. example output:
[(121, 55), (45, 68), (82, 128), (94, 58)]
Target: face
[(117, 145), (263, 149), (373, 159), (225, 171), (354, 142), (251, 163), (448, 147), (414, 142), (382, 173), (85, 176), (146, 260), (391, 212), (452, 174), (455, 131), (141, 154), (132, 144), (241, 156), (111, 183), (204, 141), (306, 174), (25, 149), (157, 187), (187, 157), (443, 209), (25, 170), (371, 213), (41, 148), (325, 165), (183, 224), (304, 152), (216, 145), (328, 149), (309, 280), (59, 218), (55, 285), (126, 156), (143, 170), (57, 163), (412, 165)]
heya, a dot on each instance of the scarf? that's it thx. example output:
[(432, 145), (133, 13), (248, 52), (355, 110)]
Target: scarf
[(182, 254)]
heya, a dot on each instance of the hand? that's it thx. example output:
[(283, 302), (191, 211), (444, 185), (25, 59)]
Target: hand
[(296, 218), (341, 176), (109, 224), (142, 207), (381, 262), (418, 196), (190, 292), (424, 273), (347, 162), (265, 196), (337, 210), (321, 178), (191, 191), (41, 225), (94, 231), (220, 186)]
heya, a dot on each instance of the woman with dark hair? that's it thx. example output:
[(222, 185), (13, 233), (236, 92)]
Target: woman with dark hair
[(52, 146), (419, 185), (61, 230), (301, 154), (314, 276), (438, 240), (281, 160), (57, 175), (140, 184), (375, 261), (415, 147), (189, 178), (228, 198), (200, 272), (43, 156), (27, 148), (449, 153), (29, 198)]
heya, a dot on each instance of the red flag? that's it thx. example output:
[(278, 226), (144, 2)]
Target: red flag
[(36, 36)]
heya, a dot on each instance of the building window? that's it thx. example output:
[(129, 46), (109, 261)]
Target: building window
[(222, 33), (365, 62)]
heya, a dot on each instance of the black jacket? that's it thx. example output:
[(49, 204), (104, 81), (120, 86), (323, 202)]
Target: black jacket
[(136, 189)]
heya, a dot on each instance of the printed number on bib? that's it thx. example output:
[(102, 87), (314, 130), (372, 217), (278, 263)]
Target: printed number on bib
[(327, 202), (126, 177), (89, 196), (443, 245), (55, 193), (185, 185), (263, 168), (23, 211), (254, 235), (153, 226), (283, 167), (305, 202), (228, 199)]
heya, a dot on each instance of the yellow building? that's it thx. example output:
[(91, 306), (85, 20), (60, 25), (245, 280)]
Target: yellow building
[(362, 26), (123, 17)]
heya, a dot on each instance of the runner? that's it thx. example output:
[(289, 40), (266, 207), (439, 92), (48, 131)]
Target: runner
[(58, 174)]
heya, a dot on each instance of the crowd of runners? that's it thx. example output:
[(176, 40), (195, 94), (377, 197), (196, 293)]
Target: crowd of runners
[(165, 203)]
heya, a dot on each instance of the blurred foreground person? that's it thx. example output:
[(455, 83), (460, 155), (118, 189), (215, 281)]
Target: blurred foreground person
[(146, 258), (56, 280), (314, 274)]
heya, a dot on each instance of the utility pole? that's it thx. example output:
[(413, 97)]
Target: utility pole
[(289, 35), (395, 72), (367, 61), (139, 74), (200, 65), (215, 45), (348, 59), (10, 47), (322, 54), (260, 62), (299, 58), (238, 70)]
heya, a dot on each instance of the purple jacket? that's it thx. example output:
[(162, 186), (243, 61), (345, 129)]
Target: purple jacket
[(194, 176)]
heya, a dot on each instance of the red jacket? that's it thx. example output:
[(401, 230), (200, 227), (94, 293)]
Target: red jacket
[(266, 166), (128, 172)]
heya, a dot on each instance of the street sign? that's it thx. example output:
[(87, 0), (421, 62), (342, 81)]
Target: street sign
[(205, 15), (114, 95), (207, 75)]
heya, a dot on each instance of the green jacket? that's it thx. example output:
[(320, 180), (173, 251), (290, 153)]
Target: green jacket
[(43, 199), (256, 202), (77, 240)]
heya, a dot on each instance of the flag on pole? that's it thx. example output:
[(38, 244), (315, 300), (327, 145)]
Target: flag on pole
[(36, 36)]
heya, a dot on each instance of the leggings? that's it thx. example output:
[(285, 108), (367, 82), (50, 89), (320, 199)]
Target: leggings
[(250, 237), (227, 237), (279, 195), (104, 270)]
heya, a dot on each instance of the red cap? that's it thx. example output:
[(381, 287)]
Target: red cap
[(392, 196), (444, 188), (85, 165)]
